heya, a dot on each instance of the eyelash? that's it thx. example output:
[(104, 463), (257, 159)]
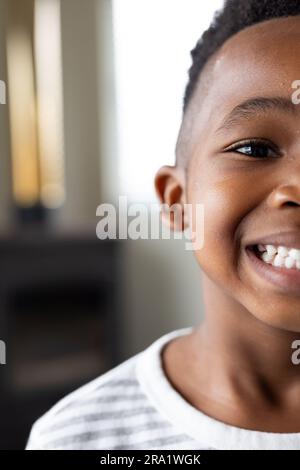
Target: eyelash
[(254, 143)]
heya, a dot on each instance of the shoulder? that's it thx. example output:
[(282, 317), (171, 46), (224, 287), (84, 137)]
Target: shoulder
[(101, 414)]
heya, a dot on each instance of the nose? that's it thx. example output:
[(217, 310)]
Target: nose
[(285, 195)]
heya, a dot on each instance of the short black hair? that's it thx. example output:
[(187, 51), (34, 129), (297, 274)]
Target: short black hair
[(232, 18)]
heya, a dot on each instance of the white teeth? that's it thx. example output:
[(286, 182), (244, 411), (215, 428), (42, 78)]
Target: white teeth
[(278, 261), (280, 256), (266, 257), (283, 251), (295, 254), (271, 250), (289, 262)]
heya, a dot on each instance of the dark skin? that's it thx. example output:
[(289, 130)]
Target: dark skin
[(236, 365)]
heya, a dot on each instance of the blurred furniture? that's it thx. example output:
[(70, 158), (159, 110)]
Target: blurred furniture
[(58, 318)]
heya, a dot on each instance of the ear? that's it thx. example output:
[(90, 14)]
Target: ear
[(170, 189)]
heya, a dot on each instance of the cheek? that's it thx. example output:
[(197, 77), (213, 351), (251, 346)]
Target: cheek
[(225, 205)]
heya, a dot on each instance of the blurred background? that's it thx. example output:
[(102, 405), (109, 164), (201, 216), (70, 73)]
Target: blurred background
[(91, 100)]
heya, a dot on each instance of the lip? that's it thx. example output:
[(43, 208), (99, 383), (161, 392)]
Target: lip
[(287, 279), (289, 239)]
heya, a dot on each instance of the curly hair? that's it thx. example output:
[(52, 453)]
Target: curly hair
[(232, 18)]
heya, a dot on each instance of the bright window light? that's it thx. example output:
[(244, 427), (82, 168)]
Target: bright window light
[(49, 101), (152, 40)]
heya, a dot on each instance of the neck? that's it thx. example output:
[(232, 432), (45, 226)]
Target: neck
[(250, 353)]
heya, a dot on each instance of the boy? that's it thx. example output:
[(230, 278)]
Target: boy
[(229, 383)]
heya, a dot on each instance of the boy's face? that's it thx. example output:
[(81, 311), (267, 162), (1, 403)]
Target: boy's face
[(253, 192)]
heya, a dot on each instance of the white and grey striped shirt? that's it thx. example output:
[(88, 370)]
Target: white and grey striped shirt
[(134, 406)]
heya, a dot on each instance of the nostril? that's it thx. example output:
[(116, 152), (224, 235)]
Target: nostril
[(292, 203)]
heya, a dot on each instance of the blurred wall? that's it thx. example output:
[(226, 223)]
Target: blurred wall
[(160, 288), (81, 116), (89, 110), (5, 175), (161, 291)]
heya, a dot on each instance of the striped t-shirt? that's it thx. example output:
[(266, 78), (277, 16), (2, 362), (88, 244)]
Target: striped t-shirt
[(134, 406)]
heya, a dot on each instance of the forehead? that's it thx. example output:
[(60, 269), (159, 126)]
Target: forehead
[(258, 57), (261, 60)]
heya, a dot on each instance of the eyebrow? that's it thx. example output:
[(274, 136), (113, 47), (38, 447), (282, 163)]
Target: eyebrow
[(254, 106)]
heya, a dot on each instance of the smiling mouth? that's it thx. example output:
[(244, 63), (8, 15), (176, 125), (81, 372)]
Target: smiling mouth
[(277, 265)]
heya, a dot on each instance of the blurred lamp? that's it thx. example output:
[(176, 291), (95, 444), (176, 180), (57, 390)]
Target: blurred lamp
[(35, 103)]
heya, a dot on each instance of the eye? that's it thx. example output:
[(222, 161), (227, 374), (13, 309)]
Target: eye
[(254, 148)]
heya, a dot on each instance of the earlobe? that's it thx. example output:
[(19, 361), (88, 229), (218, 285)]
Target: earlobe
[(170, 190)]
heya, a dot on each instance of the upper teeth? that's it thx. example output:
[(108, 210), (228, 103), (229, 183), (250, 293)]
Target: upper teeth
[(280, 256)]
